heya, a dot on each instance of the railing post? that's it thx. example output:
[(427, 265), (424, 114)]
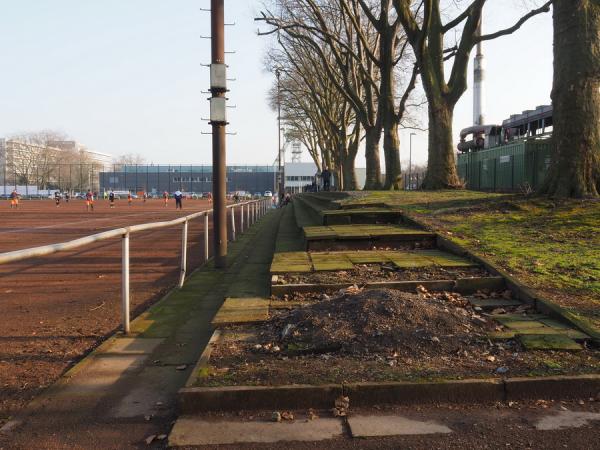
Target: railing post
[(254, 213), (242, 219), (206, 237), (233, 223), (125, 282), (184, 236), (248, 216)]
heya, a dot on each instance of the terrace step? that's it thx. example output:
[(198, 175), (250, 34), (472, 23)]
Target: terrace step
[(365, 236), (361, 216), (303, 262)]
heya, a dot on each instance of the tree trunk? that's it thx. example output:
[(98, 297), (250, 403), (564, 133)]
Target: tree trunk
[(372, 138), (391, 146), (441, 164), (575, 169), (349, 174), (387, 106)]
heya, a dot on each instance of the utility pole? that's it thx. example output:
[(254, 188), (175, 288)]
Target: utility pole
[(281, 184), (218, 120)]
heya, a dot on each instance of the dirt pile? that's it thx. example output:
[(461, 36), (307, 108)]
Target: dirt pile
[(380, 322)]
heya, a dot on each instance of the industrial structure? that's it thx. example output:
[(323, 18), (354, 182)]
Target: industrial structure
[(512, 156)]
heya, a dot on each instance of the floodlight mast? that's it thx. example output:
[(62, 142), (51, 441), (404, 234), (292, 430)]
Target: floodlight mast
[(218, 121)]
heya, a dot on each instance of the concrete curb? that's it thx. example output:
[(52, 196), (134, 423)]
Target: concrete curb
[(234, 398), (461, 285), (487, 390)]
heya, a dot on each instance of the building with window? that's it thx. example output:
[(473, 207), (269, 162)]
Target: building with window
[(186, 178)]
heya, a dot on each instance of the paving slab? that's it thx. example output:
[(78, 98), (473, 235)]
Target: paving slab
[(189, 430), (520, 324), (242, 310), (366, 257), (134, 346), (548, 342), (566, 419), (101, 373), (493, 303), (375, 426), (155, 388)]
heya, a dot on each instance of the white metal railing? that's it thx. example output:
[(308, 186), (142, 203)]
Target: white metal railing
[(258, 207)]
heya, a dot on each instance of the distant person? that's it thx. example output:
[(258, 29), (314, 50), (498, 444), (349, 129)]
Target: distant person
[(178, 200), (89, 200), (287, 199), (129, 198), (67, 197), (209, 196), (326, 177), (166, 198), (111, 199), (105, 195), (57, 198), (14, 199), (145, 195)]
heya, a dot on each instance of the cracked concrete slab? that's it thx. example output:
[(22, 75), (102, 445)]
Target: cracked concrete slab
[(373, 426), (189, 430)]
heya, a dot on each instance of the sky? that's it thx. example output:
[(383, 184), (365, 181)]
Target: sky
[(126, 76)]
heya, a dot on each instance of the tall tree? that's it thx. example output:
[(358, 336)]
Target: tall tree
[(323, 26), (425, 29), (575, 169)]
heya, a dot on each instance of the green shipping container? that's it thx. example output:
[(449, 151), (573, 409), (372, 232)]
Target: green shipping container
[(518, 166)]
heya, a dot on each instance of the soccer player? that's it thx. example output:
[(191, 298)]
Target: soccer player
[(14, 199), (166, 198), (89, 200), (57, 198), (129, 198), (111, 199), (178, 200)]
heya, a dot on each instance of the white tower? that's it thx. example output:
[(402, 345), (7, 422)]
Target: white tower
[(296, 152), (478, 83)]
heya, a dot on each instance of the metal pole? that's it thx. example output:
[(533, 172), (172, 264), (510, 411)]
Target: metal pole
[(206, 237), (219, 144), (184, 236), (248, 216), (279, 162), (410, 161), (125, 282), (242, 220), (233, 223)]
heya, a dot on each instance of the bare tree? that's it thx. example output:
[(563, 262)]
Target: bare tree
[(37, 160), (326, 31), (129, 159), (575, 169), (426, 31), (361, 46), (313, 110)]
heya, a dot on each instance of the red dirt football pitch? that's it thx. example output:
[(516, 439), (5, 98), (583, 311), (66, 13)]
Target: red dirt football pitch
[(55, 309)]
